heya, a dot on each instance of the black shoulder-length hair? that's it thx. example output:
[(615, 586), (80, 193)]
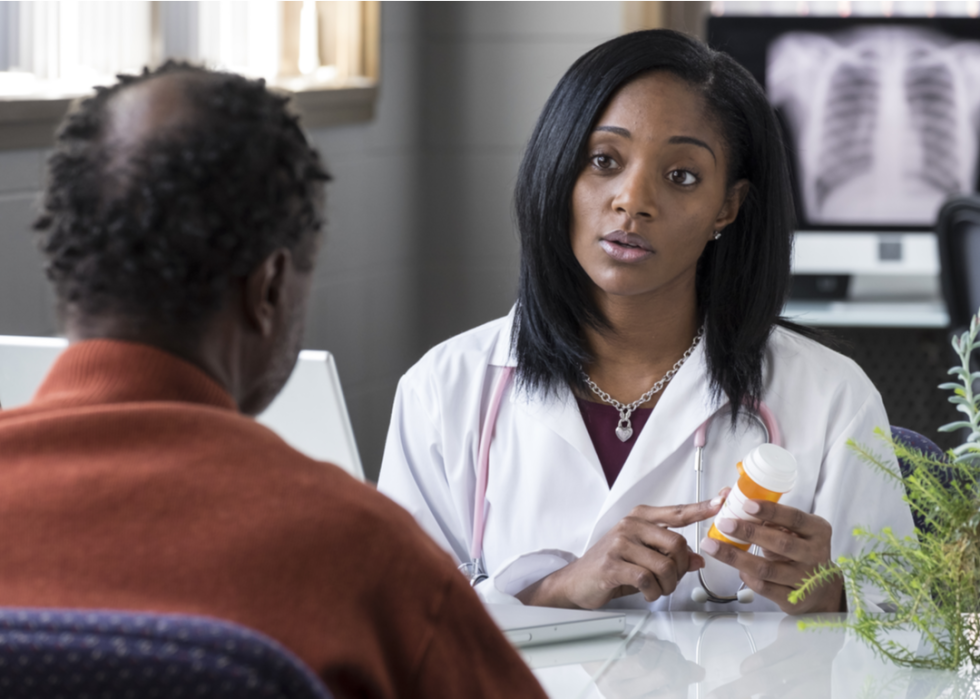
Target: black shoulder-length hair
[(742, 278)]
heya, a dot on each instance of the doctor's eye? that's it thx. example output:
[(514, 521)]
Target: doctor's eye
[(684, 178), (602, 161)]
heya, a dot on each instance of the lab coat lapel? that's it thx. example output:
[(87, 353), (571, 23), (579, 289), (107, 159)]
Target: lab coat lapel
[(560, 414), (557, 412), (685, 404), (502, 354)]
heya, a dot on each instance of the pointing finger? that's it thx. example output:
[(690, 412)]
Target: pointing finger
[(680, 515)]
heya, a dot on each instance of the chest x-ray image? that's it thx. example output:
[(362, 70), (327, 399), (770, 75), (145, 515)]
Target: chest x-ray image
[(883, 121)]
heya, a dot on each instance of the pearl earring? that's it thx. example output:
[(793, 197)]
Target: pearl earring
[(717, 235)]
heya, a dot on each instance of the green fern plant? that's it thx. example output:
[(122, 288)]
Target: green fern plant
[(931, 581)]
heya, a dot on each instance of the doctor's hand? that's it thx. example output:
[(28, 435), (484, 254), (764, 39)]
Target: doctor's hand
[(639, 554), (794, 543)]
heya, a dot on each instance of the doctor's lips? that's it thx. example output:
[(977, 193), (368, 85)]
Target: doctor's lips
[(626, 247)]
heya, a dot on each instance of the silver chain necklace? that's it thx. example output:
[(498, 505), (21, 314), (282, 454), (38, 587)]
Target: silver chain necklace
[(624, 430)]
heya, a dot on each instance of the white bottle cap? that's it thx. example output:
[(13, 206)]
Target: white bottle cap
[(771, 467)]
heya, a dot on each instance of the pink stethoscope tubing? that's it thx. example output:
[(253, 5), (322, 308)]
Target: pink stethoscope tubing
[(483, 463), (475, 568)]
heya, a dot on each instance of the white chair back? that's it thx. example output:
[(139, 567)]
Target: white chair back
[(309, 413)]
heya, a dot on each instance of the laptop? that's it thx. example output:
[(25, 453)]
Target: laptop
[(311, 415), (531, 626)]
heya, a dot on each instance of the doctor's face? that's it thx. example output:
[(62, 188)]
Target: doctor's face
[(653, 191)]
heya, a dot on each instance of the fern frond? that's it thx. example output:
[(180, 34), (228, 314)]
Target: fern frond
[(932, 581)]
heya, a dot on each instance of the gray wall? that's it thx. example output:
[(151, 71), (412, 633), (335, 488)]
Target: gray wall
[(364, 307), (488, 69), (26, 301), (420, 243)]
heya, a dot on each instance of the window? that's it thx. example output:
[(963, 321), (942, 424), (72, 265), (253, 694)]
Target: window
[(326, 53), (844, 8)]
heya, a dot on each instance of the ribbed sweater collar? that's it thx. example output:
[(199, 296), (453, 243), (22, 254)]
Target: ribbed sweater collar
[(113, 371)]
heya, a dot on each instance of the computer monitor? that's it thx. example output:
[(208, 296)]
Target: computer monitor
[(880, 118)]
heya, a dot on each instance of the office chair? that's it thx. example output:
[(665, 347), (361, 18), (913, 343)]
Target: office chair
[(914, 440), (958, 234), (51, 653), (958, 237), (309, 413)]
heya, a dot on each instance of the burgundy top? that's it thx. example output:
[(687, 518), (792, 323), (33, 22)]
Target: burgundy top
[(601, 421)]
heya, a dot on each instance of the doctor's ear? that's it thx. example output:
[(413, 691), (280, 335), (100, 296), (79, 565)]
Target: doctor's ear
[(733, 203)]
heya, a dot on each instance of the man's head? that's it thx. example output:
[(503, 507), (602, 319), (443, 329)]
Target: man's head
[(183, 210)]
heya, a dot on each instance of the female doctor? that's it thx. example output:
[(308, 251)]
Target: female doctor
[(655, 219)]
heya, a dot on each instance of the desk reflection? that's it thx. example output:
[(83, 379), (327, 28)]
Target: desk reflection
[(727, 656), (650, 668), (795, 665)]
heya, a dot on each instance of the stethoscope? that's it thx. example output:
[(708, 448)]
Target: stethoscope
[(475, 568), (767, 421)]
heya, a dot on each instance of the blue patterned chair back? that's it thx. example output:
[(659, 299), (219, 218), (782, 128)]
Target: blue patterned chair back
[(915, 440), (51, 653)]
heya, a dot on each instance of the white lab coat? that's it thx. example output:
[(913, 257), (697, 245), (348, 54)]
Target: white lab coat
[(548, 500)]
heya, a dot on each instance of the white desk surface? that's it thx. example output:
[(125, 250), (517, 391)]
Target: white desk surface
[(910, 314), (722, 656)]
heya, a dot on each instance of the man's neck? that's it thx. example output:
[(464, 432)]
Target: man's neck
[(194, 345)]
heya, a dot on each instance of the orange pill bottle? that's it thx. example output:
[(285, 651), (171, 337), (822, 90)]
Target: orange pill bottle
[(766, 473)]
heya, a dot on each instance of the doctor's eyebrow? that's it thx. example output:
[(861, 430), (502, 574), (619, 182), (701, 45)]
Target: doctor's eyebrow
[(618, 130), (695, 142), (625, 133)]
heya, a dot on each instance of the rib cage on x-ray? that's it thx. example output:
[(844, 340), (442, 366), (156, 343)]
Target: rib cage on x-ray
[(848, 127), (931, 95), (883, 121)]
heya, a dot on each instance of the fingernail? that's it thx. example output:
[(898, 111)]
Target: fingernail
[(726, 525), (751, 506), (709, 546), (717, 501)]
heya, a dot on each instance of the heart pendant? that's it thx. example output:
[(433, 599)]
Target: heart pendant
[(624, 433)]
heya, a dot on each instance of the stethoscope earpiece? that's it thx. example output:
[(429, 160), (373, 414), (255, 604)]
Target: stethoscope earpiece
[(700, 595)]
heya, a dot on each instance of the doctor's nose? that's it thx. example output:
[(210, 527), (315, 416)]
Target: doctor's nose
[(636, 194)]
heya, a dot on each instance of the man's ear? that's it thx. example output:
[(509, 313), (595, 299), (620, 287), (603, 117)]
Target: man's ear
[(733, 202), (264, 291)]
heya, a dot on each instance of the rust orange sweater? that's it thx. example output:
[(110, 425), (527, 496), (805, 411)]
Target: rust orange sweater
[(131, 482)]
